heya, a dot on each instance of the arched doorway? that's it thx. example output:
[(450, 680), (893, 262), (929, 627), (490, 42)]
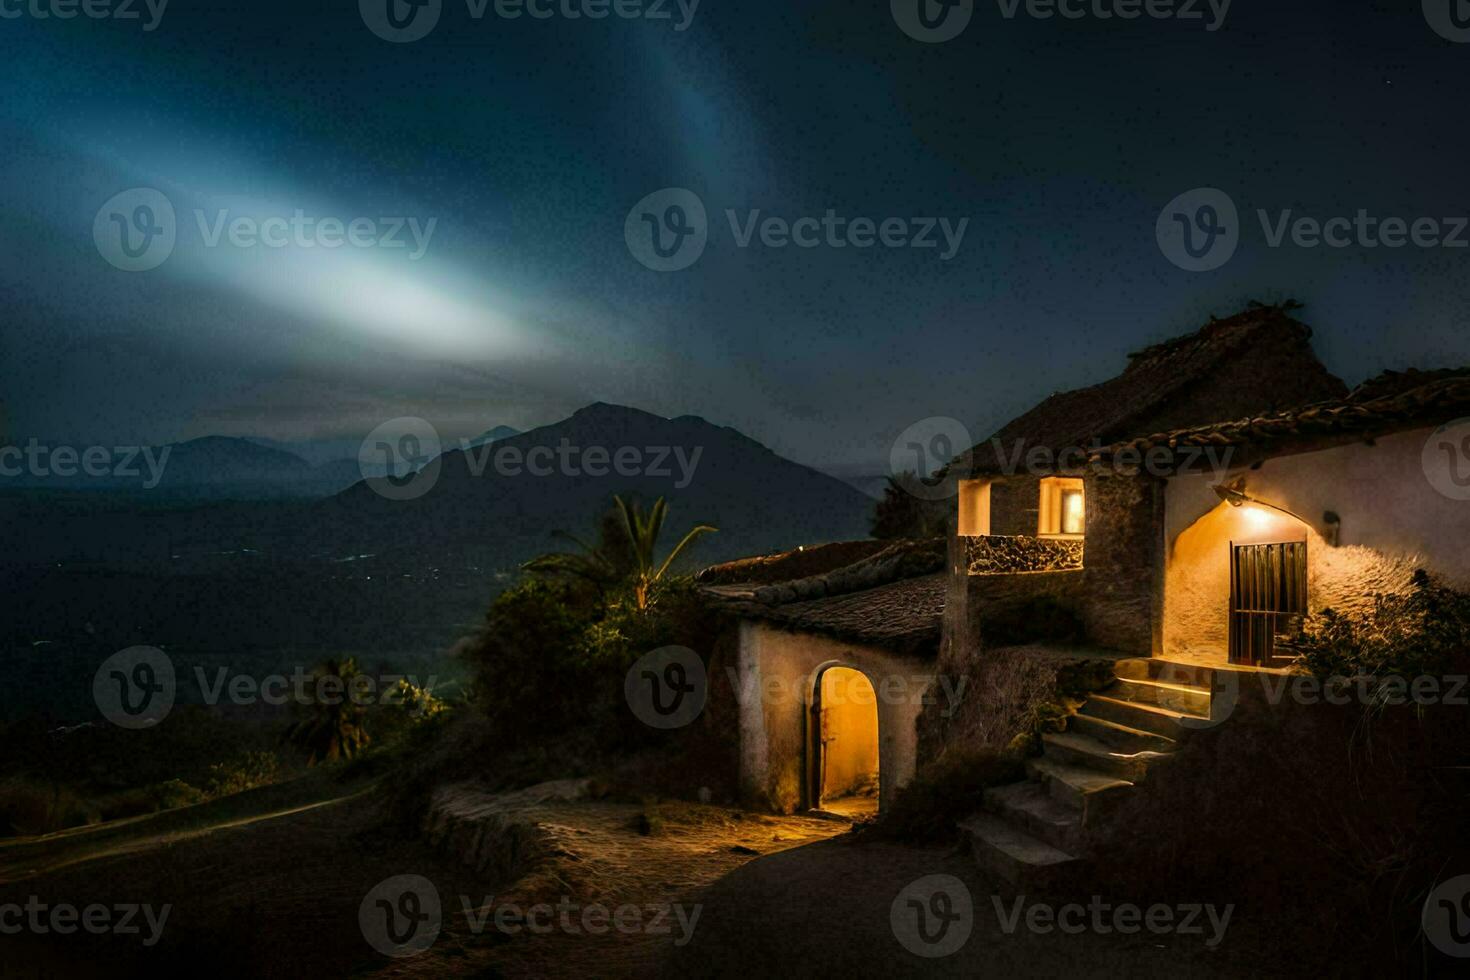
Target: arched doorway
[(844, 769)]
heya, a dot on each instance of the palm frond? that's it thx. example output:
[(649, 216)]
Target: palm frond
[(678, 548)]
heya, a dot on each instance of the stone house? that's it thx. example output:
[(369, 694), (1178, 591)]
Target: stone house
[(1169, 524), (1029, 502)]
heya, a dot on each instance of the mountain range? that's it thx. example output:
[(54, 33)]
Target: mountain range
[(504, 500), (493, 502)]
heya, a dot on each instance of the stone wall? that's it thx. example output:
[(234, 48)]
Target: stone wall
[(1015, 505), (1003, 554), (1112, 581), (999, 600), (1122, 595)]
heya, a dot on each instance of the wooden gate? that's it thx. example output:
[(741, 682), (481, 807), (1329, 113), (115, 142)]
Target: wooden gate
[(1268, 595)]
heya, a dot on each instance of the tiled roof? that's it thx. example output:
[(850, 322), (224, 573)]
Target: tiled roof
[(1124, 406), (1391, 402), (903, 616), (787, 565), (893, 598)]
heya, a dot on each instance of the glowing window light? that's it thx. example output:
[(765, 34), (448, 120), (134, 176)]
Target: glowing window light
[(1072, 512)]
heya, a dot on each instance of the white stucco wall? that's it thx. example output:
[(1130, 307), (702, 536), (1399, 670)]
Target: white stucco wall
[(777, 673), (1393, 521)]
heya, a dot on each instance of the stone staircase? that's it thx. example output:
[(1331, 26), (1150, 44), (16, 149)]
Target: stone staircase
[(1033, 832)]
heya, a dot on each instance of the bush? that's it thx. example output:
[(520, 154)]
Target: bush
[(250, 771), (1424, 632), (528, 659), (551, 657)]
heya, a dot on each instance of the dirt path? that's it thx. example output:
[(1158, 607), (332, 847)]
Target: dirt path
[(825, 911), (270, 884), (610, 866), (266, 884)]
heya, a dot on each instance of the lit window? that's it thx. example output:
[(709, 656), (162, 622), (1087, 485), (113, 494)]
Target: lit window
[(974, 508), (1072, 512), (1062, 510)]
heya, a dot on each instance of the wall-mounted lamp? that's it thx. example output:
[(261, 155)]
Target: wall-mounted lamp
[(1233, 493)]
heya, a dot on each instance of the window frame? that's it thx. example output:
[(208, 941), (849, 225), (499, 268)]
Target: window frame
[(1051, 518)]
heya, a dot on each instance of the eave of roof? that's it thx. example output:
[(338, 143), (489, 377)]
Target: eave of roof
[(903, 617), (1391, 402)]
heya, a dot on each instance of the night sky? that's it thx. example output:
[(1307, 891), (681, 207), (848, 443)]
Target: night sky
[(528, 141)]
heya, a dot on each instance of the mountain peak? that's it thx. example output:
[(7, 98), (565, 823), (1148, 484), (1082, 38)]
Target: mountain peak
[(599, 411)]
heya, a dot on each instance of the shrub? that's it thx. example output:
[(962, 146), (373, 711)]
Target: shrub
[(174, 793), (1423, 632), (550, 658), (251, 770), (528, 659)]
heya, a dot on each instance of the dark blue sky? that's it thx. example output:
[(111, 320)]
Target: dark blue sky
[(528, 141)]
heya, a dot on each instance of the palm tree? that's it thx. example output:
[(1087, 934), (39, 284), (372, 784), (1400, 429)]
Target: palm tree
[(626, 551), (643, 531), (334, 729), (604, 565)]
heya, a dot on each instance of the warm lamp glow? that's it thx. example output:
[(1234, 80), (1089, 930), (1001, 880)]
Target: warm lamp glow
[(1255, 516), (1257, 510)]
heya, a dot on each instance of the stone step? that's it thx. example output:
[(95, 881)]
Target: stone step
[(1027, 806), (1154, 669), (1084, 752), (1092, 792), (1004, 850), (1121, 736), (1175, 697), (1144, 717)]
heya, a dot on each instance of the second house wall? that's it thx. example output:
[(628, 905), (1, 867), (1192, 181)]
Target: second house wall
[(1393, 522), (777, 670)]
